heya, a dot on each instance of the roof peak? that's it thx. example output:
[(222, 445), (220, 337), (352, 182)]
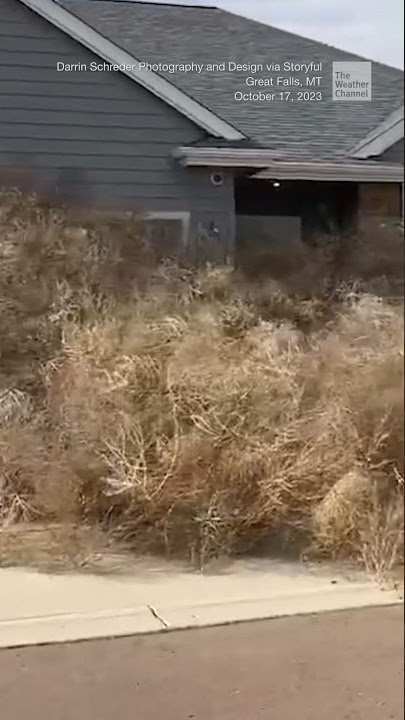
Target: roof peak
[(165, 3)]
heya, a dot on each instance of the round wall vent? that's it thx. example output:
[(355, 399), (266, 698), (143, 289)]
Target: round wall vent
[(217, 178)]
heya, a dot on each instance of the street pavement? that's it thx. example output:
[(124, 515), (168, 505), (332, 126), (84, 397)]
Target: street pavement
[(333, 666)]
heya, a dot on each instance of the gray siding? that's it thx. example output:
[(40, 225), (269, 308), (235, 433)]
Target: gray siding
[(94, 137), (394, 154)]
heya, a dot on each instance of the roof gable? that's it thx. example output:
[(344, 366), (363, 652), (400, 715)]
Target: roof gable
[(89, 37), (386, 134)]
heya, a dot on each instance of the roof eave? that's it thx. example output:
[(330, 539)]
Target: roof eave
[(334, 172), (190, 156), (277, 169)]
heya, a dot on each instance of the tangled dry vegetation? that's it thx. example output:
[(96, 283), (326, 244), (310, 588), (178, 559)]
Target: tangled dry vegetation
[(192, 412)]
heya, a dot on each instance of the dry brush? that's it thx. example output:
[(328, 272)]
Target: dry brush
[(192, 411)]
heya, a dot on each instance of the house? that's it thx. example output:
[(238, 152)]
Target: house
[(194, 116)]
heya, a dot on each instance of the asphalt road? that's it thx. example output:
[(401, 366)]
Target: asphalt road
[(343, 666)]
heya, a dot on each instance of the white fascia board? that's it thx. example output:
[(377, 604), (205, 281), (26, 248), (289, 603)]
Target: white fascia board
[(334, 172), (223, 157), (112, 54), (273, 168), (390, 131)]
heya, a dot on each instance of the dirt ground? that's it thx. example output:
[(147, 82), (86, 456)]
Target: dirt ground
[(341, 666)]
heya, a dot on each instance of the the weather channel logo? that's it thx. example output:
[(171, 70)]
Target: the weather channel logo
[(351, 81)]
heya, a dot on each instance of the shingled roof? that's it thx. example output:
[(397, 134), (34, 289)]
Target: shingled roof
[(157, 33)]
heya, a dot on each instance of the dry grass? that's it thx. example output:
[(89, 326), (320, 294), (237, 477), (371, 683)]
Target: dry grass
[(192, 412)]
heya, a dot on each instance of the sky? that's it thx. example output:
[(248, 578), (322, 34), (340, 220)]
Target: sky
[(370, 28)]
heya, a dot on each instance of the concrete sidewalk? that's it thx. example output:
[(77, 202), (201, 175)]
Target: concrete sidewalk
[(37, 608)]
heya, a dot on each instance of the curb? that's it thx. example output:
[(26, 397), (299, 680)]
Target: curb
[(143, 620)]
